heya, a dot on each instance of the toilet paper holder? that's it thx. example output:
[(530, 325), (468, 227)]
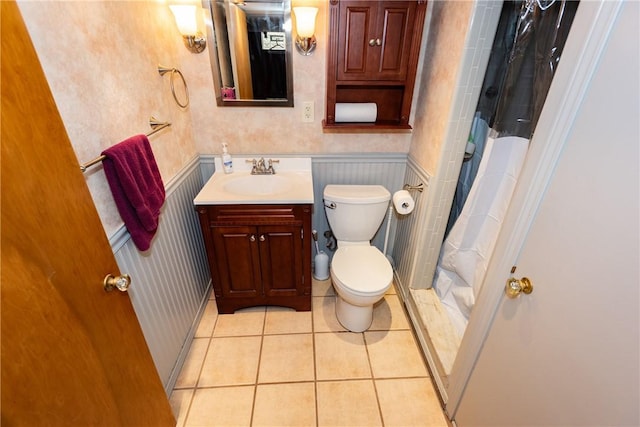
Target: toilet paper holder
[(419, 187)]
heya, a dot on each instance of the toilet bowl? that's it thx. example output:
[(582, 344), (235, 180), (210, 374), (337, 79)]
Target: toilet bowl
[(361, 275), (360, 272)]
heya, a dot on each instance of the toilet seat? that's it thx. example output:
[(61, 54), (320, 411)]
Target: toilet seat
[(363, 270)]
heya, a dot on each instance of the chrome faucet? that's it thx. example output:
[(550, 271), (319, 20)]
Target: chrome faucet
[(259, 166)]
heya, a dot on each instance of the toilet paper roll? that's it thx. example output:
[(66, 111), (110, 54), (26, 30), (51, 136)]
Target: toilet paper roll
[(361, 112), (403, 202)]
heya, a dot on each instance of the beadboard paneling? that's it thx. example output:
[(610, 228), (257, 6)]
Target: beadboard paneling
[(169, 281), (408, 238), (387, 170)]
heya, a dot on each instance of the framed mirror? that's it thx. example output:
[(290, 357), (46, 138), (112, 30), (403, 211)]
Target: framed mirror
[(249, 42)]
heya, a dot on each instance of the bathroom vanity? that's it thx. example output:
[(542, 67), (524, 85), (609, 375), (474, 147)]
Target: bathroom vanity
[(257, 234)]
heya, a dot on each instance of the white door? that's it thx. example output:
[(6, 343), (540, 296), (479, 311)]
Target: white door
[(568, 353)]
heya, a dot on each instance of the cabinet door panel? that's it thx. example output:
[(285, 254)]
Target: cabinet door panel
[(281, 259), (237, 260), (389, 25), (397, 30), (356, 22)]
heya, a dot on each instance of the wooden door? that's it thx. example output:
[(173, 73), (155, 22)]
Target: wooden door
[(72, 354), (568, 353)]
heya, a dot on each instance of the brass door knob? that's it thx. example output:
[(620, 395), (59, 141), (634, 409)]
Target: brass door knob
[(515, 287), (120, 283)]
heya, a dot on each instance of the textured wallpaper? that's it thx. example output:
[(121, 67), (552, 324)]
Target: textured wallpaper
[(101, 58), (281, 130)]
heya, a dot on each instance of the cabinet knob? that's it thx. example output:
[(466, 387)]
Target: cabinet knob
[(252, 238), (378, 42), (262, 239), (372, 42)]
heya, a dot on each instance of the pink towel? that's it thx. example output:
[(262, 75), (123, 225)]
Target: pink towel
[(136, 184)]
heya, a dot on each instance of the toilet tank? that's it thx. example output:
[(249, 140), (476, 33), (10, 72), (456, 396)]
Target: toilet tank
[(355, 212)]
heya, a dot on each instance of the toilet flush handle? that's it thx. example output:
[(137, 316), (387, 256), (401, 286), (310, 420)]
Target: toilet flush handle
[(331, 205)]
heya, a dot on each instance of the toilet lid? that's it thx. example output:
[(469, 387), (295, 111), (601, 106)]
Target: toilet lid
[(363, 269)]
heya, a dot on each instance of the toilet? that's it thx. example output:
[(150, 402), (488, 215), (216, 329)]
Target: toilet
[(360, 272)]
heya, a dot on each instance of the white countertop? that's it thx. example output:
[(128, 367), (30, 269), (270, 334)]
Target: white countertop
[(292, 183)]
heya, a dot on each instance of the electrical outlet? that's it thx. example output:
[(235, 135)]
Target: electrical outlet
[(307, 112)]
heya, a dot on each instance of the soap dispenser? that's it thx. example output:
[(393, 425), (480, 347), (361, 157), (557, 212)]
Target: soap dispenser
[(227, 161)]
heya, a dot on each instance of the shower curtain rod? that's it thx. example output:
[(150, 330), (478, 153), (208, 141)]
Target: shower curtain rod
[(155, 125)]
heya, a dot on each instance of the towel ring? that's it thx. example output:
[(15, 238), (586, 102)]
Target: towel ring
[(163, 70)]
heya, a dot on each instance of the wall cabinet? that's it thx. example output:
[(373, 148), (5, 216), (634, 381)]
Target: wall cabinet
[(258, 254), (373, 57)]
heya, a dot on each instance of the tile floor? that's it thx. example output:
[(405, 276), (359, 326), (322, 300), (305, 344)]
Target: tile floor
[(271, 366)]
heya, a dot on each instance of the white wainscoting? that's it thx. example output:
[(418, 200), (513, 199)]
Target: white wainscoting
[(385, 169), (170, 281), (410, 230)]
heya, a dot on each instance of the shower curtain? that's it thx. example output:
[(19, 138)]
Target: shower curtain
[(526, 51)]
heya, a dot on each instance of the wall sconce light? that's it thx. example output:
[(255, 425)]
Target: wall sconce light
[(305, 27), (185, 15)]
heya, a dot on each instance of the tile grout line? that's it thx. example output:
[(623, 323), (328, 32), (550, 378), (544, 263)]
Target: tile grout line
[(373, 379), (255, 386), (315, 371), (195, 387)]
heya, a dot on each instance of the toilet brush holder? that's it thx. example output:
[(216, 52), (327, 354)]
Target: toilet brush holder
[(321, 266)]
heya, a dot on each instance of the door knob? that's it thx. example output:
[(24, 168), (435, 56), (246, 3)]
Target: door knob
[(515, 287), (120, 283)]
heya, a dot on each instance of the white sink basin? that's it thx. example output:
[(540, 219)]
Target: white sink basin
[(292, 183), (258, 185)]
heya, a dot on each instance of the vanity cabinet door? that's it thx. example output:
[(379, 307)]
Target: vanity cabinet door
[(374, 39), (258, 254), (237, 261), (281, 248)]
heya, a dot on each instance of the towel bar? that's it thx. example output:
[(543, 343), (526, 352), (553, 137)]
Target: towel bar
[(155, 125)]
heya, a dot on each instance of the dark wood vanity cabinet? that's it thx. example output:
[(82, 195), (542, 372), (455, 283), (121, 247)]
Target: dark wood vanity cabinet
[(373, 57), (258, 254)]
